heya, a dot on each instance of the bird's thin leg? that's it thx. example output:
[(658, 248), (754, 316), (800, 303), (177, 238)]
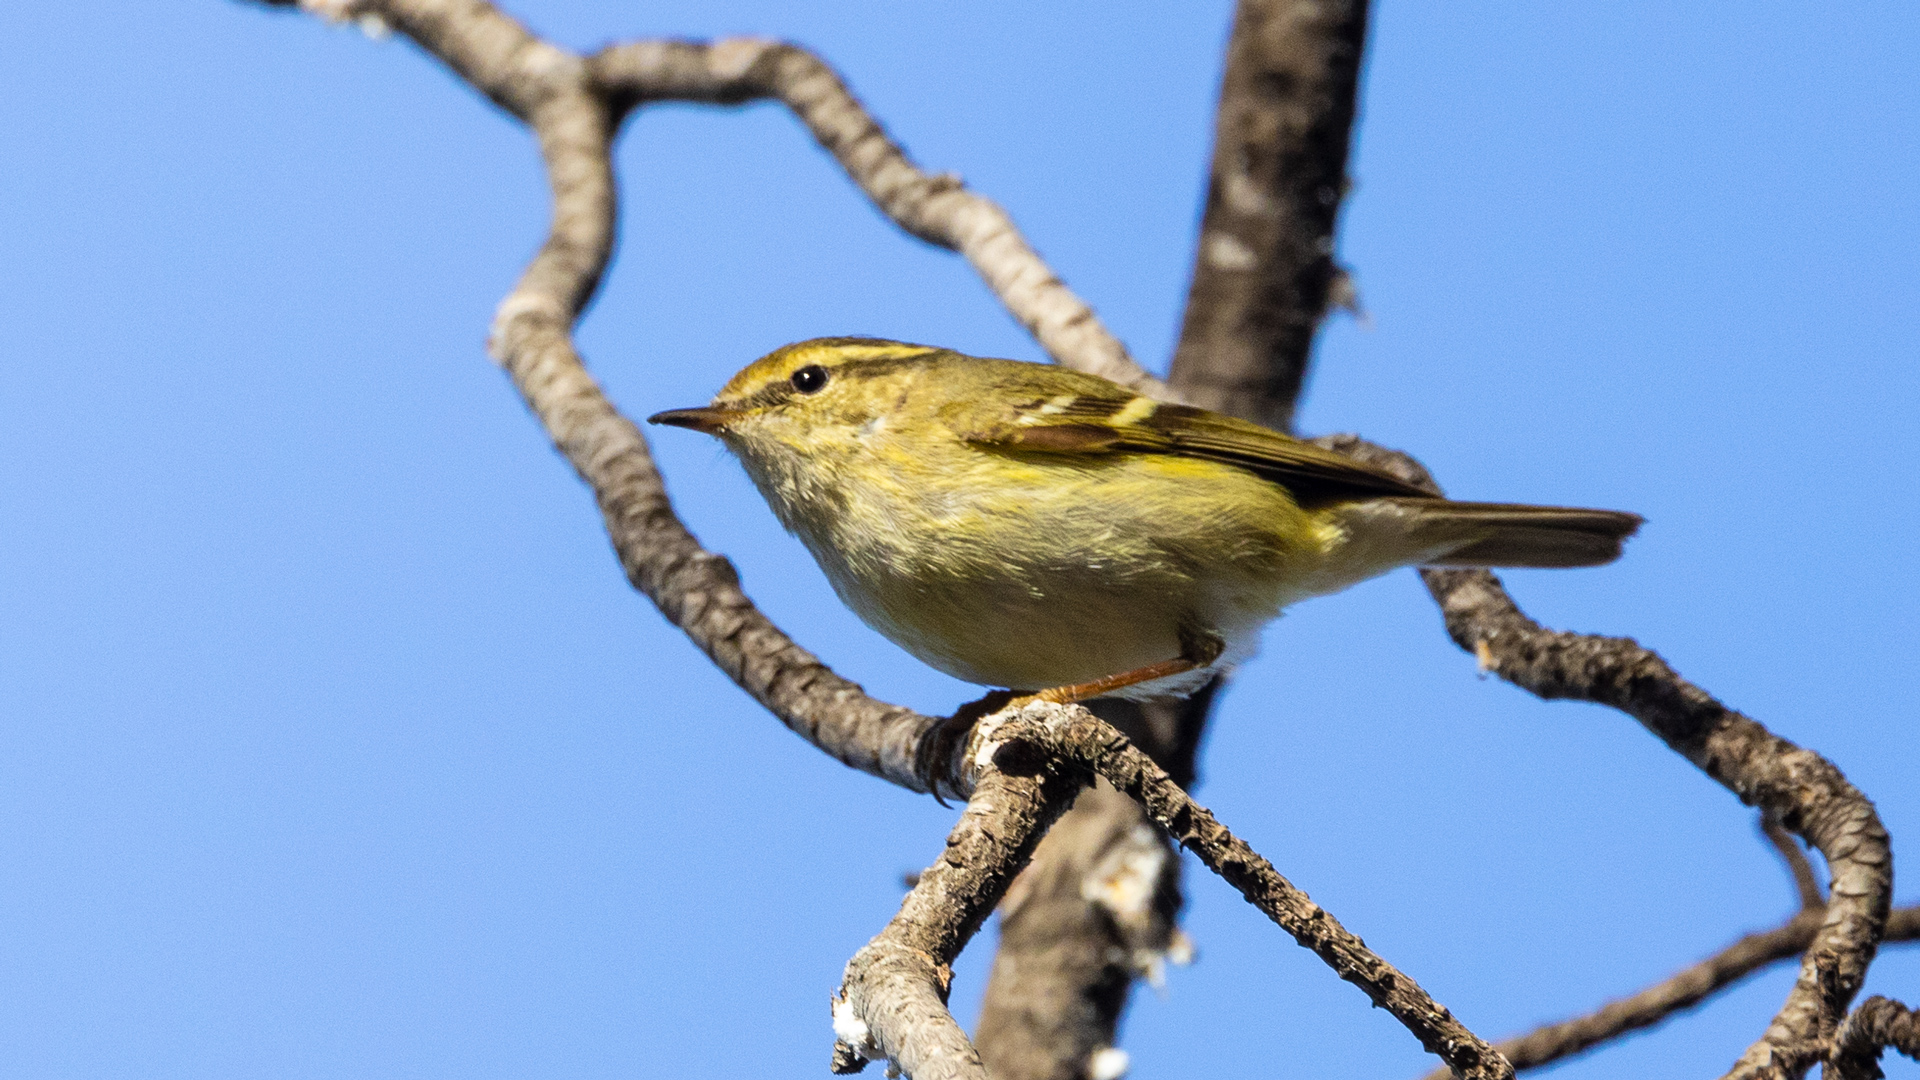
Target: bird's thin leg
[(1198, 650)]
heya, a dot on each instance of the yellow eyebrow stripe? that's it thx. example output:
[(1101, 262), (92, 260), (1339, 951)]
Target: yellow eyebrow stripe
[(860, 351)]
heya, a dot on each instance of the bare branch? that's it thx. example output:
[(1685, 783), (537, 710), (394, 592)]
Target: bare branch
[(936, 208), (1797, 787), (892, 1002), (1805, 883), (1263, 272), (1071, 944), (1094, 910), (1031, 761), (1680, 991), (1878, 1025)]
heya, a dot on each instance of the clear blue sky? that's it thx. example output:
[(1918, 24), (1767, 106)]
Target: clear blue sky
[(335, 745)]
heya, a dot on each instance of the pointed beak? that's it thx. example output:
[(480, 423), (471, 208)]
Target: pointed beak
[(705, 418)]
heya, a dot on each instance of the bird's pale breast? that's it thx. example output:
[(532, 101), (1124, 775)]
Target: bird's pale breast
[(1027, 572)]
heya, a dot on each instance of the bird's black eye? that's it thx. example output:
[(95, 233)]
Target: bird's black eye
[(810, 379)]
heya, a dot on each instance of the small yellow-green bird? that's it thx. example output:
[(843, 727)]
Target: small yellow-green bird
[(1024, 526)]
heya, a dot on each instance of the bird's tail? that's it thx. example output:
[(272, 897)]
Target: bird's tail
[(1504, 534)]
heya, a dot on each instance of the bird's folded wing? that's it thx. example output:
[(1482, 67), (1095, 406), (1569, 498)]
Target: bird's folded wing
[(1089, 422)]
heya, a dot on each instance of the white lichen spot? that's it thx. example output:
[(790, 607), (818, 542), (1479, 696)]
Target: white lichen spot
[(847, 1027), (1124, 883), (1151, 964), (1244, 195), (1226, 252), (1108, 1063), (850, 1029), (983, 757)]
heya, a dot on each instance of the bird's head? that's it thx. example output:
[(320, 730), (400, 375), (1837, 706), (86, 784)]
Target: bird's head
[(809, 396)]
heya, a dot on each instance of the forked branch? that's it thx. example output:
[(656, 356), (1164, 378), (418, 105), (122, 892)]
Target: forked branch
[(896, 988), (1017, 751)]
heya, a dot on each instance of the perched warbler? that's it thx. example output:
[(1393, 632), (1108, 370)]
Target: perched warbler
[(1024, 526)]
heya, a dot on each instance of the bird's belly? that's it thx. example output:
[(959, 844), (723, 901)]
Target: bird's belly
[(1071, 575), (998, 634)]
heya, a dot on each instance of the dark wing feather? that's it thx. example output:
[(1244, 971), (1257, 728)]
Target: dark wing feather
[(1091, 416), (1311, 472)]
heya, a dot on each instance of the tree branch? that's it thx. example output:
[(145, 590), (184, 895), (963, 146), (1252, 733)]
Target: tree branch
[(1797, 787), (1029, 763), (574, 107), (1879, 1024), (1263, 271), (1098, 908), (1806, 885), (1681, 991), (893, 999)]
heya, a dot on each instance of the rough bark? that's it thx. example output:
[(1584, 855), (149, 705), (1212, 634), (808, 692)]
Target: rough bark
[(1080, 737), (1878, 1025), (1094, 910), (1263, 271), (892, 1004), (1098, 908)]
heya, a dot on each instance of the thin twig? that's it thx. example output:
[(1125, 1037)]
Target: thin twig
[(1680, 991), (1031, 761)]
